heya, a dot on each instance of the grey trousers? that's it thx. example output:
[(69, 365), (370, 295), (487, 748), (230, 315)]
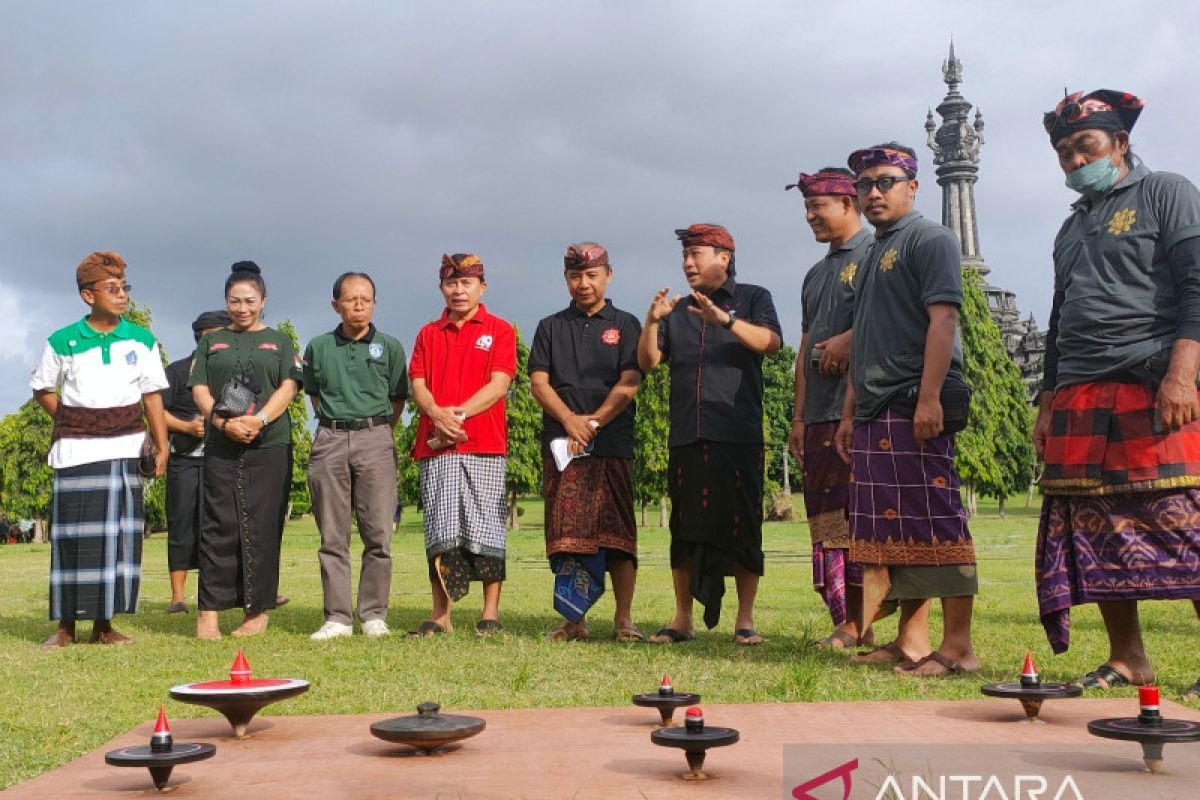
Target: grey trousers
[(354, 471)]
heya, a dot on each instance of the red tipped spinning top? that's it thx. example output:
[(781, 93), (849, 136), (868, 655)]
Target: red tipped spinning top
[(694, 721), (161, 740), (240, 671), (665, 688), (1029, 673), (1148, 697)]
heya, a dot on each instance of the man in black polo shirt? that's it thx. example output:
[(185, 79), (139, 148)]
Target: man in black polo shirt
[(714, 342), (185, 467), (907, 525), (583, 371), (355, 377)]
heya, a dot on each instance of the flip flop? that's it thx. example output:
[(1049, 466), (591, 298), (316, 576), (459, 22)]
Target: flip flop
[(670, 636), (1103, 677), (177, 608), (894, 656), (282, 600), (951, 666), (629, 634), (426, 629), (567, 632), (743, 636), (487, 627), (1192, 692), (827, 643)]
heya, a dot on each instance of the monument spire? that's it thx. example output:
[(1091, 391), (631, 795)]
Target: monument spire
[(956, 144)]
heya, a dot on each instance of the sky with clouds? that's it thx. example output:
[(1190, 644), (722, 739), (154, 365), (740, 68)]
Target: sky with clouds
[(316, 138)]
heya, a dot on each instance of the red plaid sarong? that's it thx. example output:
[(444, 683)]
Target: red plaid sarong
[(1106, 438)]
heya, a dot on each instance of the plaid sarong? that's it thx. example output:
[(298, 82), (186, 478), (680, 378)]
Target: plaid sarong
[(96, 540), (1106, 438), (1143, 546), (905, 508), (462, 498), (832, 573)]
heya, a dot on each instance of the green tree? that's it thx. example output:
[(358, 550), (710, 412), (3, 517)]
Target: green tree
[(142, 315), (408, 475), (524, 418), (651, 429), (154, 498), (26, 480), (779, 394), (994, 454), (302, 438)]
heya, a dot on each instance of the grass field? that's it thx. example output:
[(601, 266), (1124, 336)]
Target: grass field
[(55, 706)]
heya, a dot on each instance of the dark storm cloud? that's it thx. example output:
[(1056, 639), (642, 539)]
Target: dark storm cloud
[(315, 138)]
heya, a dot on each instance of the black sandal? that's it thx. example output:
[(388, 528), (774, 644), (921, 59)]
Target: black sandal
[(427, 628), (1192, 692), (487, 627), (1103, 677)]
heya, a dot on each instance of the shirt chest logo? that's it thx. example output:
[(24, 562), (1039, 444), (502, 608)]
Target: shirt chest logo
[(1122, 221), (848, 272), (612, 336), (218, 346), (131, 357), (375, 350), (268, 346), (889, 260), (483, 343)]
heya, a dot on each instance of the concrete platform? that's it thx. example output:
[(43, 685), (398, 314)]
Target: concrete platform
[(606, 753)]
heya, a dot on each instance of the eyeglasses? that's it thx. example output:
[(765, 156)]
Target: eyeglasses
[(114, 290), (864, 185)]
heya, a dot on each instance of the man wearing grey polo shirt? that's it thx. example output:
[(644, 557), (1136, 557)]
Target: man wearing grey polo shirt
[(355, 377), (1119, 421), (905, 401)]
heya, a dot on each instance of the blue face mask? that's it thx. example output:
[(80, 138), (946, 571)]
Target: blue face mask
[(1094, 178)]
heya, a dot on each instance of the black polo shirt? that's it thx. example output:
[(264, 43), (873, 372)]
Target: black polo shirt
[(177, 401), (716, 381), (584, 357)]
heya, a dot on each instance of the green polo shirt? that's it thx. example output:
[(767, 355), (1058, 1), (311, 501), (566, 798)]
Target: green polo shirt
[(355, 378)]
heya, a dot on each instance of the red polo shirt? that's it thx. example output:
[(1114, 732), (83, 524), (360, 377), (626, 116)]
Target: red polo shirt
[(456, 363)]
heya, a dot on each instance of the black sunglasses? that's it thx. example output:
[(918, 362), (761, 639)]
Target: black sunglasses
[(884, 185)]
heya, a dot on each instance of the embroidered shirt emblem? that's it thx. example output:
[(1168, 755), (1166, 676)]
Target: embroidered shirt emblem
[(611, 336), (131, 358), (483, 342), (268, 346), (1122, 221), (889, 259), (375, 350), (848, 272)]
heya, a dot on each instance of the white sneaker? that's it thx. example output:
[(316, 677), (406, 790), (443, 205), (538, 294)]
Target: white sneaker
[(375, 628), (332, 630)]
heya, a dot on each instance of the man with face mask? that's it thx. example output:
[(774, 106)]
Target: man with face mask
[(1117, 424)]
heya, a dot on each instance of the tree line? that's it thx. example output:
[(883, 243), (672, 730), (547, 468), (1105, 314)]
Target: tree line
[(994, 455)]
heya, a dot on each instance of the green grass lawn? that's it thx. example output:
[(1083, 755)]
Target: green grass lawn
[(55, 706)]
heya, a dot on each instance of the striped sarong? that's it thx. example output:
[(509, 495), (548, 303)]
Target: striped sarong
[(1134, 546), (96, 535), (462, 498)]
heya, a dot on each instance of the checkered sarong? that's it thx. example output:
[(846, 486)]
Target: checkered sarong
[(1106, 438), (96, 540), (905, 510), (463, 502)]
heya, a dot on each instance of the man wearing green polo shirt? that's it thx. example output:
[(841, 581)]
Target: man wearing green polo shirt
[(356, 379)]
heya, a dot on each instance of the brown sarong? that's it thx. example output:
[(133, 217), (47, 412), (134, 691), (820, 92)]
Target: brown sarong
[(589, 506)]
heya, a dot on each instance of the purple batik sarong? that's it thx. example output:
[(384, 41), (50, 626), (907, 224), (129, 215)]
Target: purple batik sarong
[(826, 492), (1143, 546), (905, 510)]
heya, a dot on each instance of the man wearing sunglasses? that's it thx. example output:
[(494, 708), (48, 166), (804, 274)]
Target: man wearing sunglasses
[(907, 525), (97, 379), (1117, 424)]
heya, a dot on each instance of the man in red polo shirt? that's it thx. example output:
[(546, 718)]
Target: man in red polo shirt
[(461, 367)]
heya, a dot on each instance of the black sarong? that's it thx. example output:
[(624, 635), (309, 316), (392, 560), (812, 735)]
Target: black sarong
[(716, 491), (245, 499), (185, 510)]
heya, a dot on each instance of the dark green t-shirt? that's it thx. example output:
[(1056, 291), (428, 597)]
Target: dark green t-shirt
[(266, 354), (355, 378), (912, 265)]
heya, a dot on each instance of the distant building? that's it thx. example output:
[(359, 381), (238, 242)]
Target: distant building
[(956, 144)]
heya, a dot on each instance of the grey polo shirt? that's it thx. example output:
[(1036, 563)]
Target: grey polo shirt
[(827, 302), (1118, 304), (912, 265)]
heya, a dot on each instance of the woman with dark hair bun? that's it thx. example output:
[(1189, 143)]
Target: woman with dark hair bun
[(243, 378)]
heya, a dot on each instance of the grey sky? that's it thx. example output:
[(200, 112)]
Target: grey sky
[(319, 137)]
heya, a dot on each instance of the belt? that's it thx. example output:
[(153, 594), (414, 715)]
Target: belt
[(353, 424)]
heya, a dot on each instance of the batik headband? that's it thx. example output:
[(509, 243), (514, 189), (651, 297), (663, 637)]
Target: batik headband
[(1103, 110), (460, 265), (882, 156), (824, 182), (584, 255), (703, 233)]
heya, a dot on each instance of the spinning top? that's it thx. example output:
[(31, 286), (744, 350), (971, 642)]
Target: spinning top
[(428, 730), (162, 756), (1030, 690), (242, 696), (695, 739), (665, 700), (1148, 728)]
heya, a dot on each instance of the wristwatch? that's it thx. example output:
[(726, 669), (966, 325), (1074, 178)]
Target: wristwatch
[(264, 417), (729, 323)]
